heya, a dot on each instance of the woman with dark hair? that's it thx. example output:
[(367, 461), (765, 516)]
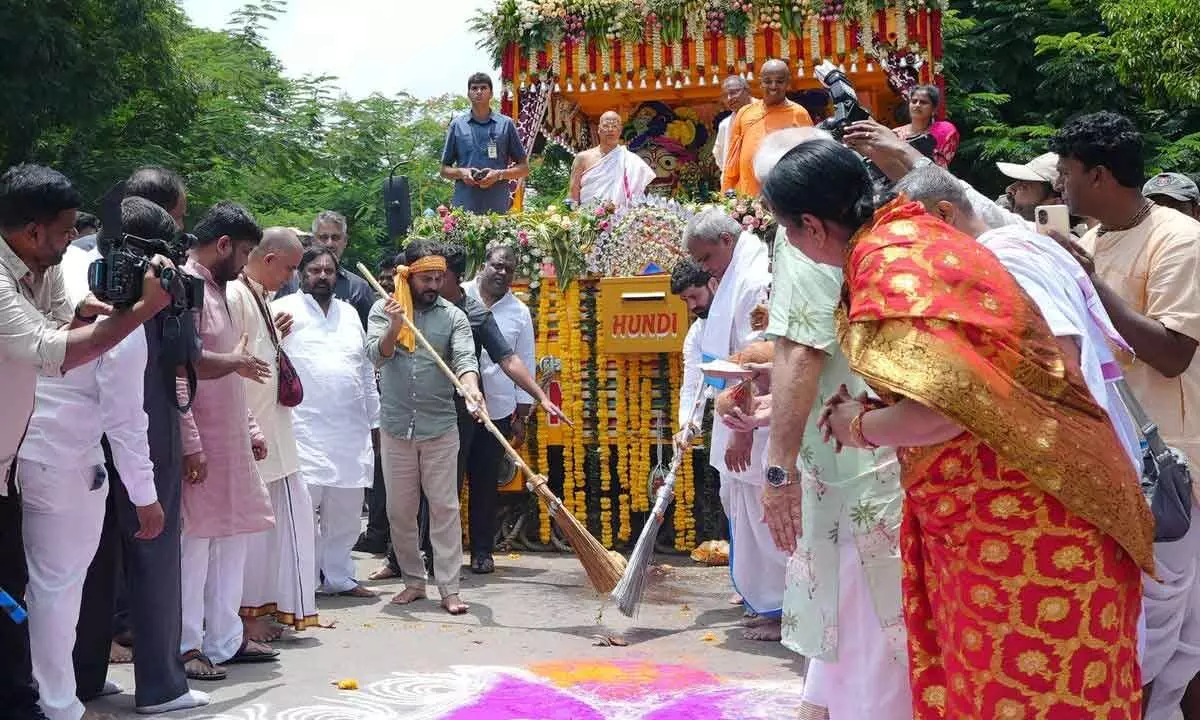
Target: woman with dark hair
[(1023, 525), (923, 104)]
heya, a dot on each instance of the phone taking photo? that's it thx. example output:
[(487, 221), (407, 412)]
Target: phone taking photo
[(1052, 218)]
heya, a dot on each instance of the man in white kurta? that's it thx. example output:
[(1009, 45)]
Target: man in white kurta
[(280, 562), (609, 172), (333, 425), (740, 264), (65, 487), (735, 94)]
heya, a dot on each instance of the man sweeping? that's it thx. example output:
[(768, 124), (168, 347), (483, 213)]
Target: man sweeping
[(418, 422), (740, 265)]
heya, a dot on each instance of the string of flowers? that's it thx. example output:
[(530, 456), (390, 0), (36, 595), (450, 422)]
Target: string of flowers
[(572, 377), (622, 446), (546, 298)]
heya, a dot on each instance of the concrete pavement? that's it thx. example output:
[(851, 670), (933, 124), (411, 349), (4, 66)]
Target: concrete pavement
[(525, 650)]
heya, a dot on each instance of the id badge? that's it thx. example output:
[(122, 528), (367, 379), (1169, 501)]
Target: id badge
[(493, 152)]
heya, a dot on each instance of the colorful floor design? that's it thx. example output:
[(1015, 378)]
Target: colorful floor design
[(586, 690)]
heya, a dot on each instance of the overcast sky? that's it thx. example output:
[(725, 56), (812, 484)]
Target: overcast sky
[(386, 46)]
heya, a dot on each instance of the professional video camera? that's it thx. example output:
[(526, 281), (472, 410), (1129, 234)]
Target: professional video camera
[(116, 278), (846, 110)]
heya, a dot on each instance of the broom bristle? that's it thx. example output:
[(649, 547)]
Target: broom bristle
[(628, 593), (602, 569)]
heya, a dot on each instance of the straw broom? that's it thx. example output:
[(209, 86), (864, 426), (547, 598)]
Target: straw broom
[(603, 569), (628, 593)]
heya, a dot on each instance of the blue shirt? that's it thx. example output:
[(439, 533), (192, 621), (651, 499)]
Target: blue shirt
[(467, 142)]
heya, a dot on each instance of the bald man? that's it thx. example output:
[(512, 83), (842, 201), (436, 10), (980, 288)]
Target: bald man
[(609, 172), (279, 587), (757, 120)]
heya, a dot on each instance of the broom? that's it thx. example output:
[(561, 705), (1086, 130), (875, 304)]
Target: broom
[(628, 593), (603, 569)]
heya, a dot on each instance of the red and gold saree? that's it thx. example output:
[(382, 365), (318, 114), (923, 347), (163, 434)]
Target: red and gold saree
[(1023, 536)]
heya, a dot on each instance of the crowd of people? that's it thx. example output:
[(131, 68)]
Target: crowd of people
[(926, 457)]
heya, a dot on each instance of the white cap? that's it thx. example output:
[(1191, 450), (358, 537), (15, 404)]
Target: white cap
[(1043, 168)]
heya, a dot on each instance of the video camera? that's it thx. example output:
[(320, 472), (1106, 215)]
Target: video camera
[(846, 110), (116, 278)]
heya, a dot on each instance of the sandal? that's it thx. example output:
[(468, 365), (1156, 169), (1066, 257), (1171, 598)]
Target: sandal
[(483, 565), (246, 654), (383, 573), (209, 671)]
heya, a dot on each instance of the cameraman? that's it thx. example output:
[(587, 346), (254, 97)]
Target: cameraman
[(40, 332)]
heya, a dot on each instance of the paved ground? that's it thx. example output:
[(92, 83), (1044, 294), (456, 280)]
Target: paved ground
[(525, 652)]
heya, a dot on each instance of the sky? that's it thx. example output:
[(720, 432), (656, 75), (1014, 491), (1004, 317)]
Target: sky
[(385, 46)]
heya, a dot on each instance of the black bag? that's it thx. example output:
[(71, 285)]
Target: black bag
[(1166, 480)]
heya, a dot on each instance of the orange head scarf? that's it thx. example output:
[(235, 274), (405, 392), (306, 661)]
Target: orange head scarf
[(403, 295)]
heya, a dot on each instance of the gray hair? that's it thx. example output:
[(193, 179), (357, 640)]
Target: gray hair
[(709, 225), (738, 79), (932, 184), (329, 216), (776, 145)]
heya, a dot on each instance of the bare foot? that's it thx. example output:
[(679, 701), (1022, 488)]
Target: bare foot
[(771, 630), (118, 654), (357, 591), (261, 629), (408, 595), (453, 605), (736, 599), (382, 573)]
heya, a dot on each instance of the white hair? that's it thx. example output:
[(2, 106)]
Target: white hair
[(329, 216), (708, 225), (774, 146)]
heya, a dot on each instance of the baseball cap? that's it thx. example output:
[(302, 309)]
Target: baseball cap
[(1043, 168), (1173, 185)]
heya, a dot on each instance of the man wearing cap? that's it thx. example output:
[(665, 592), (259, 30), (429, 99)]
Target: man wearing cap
[(1033, 184), (1176, 191)]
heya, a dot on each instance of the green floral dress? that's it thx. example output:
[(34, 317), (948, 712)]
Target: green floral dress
[(855, 494)]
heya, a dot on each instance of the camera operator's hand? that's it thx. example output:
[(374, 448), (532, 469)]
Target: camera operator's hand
[(150, 521), (195, 468), (154, 296), (92, 307), (882, 146), (249, 366), (283, 323)]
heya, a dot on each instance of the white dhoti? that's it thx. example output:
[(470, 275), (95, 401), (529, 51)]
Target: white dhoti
[(1172, 609), (281, 562), (211, 584), (756, 567), (62, 515), (620, 178), (866, 680), (338, 522)]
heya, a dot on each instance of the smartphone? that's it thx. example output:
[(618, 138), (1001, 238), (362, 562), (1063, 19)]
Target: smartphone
[(1055, 218)]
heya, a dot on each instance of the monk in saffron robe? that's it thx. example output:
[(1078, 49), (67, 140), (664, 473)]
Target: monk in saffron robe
[(757, 120), (1023, 524)]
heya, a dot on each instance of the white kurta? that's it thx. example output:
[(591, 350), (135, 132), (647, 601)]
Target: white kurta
[(341, 401)]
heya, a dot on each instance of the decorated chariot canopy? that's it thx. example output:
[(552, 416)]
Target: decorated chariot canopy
[(660, 63)]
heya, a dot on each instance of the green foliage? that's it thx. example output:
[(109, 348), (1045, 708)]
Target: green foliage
[(1018, 69)]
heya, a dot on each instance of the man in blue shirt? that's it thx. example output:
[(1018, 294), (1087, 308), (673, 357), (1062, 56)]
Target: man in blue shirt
[(483, 153)]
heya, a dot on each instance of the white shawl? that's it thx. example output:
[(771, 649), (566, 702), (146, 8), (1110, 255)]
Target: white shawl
[(620, 177)]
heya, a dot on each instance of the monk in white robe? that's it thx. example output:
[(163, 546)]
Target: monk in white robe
[(609, 172)]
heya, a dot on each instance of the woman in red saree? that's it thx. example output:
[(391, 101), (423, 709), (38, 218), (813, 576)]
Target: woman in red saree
[(1024, 527)]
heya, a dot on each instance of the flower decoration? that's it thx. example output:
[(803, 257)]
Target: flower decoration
[(640, 234)]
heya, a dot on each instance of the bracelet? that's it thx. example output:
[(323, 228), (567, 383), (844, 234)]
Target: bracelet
[(856, 431)]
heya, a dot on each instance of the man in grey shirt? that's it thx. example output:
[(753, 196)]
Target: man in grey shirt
[(481, 145), (418, 421)]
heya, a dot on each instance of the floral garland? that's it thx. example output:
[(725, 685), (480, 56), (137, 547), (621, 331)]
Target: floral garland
[(624, 478), (572, 376), (750, 213), (546, 298)]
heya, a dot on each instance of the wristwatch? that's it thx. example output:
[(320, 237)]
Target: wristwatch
[(80, 317), (778, 477)]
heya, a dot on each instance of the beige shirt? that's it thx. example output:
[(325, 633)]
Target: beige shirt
[(274, 420), (34, 315), (1155, 267)]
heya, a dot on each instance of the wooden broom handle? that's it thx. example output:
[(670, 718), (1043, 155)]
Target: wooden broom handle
[(462, 389)]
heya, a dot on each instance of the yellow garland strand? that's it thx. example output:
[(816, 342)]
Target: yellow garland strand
[(543, 350), (622, 410)]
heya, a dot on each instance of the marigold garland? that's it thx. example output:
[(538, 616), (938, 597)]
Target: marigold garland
[(545, 308)]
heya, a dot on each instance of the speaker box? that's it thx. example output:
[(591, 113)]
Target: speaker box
[(398, 205)]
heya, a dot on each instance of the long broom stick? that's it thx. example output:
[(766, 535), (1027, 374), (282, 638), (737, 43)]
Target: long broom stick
[(603, 570), (628, 593)]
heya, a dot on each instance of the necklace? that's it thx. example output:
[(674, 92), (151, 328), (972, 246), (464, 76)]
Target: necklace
[(1138, 217)]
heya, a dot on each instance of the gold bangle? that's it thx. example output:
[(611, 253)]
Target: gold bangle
[(856, 431)]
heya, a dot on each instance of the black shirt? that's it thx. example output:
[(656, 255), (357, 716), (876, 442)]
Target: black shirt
[(484, 328), (348, 286)]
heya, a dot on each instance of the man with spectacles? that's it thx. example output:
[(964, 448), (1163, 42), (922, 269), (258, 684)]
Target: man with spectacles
[(329, 229)]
